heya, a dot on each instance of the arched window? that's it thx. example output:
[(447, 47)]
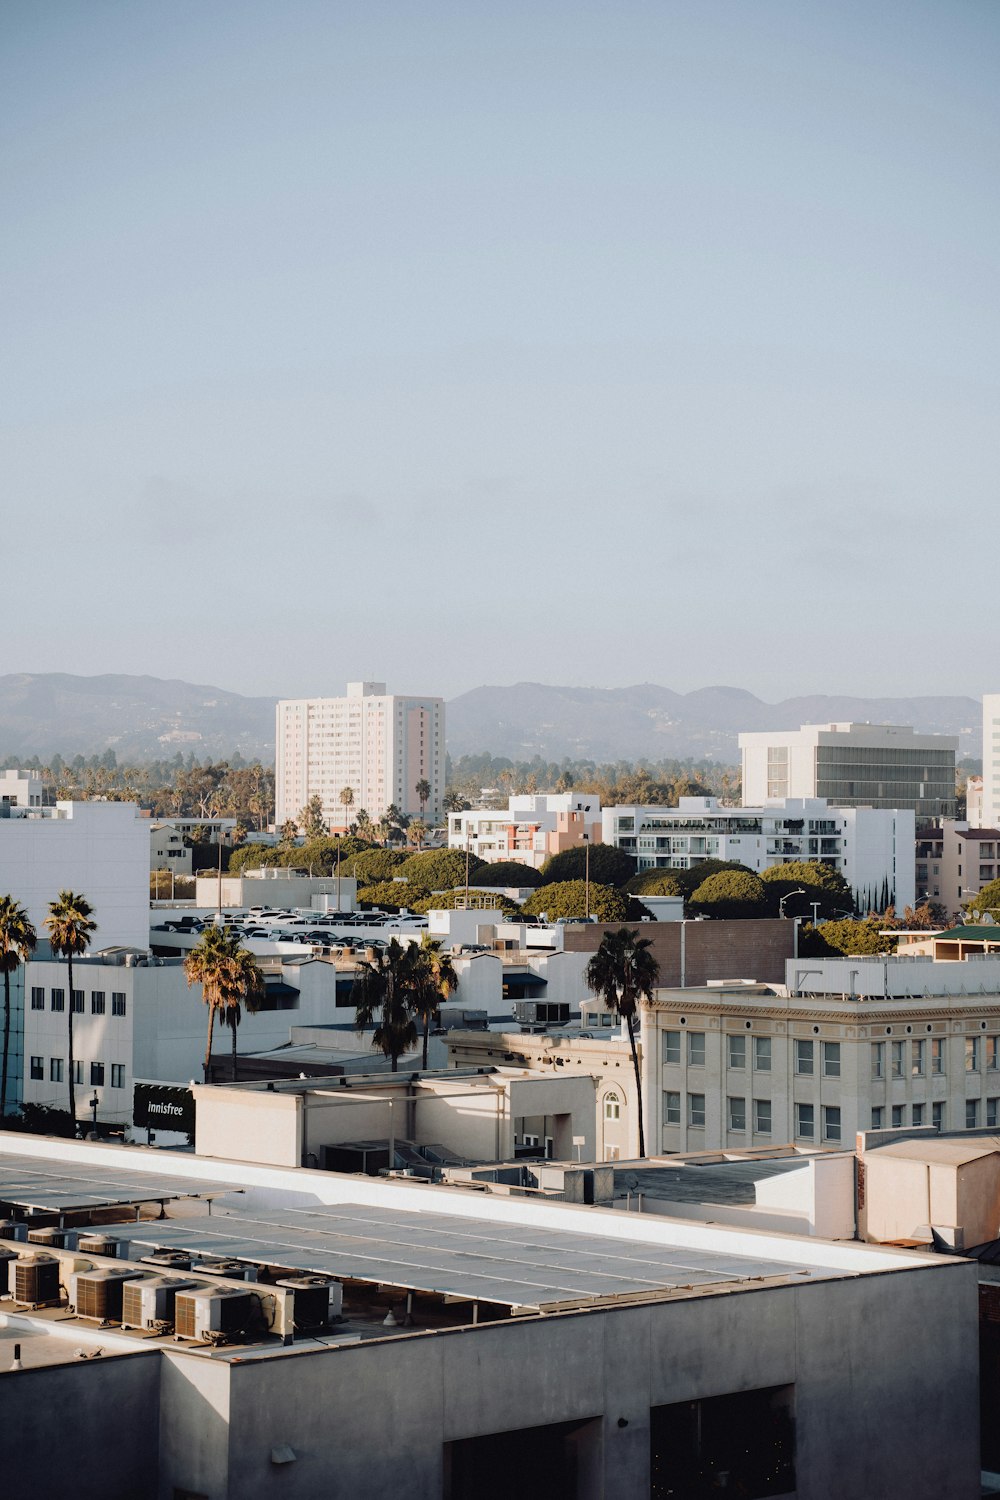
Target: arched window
[(612, 1107)]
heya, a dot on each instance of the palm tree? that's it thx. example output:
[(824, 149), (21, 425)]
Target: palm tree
[(363, 824), (229, 978), (347, 801), (423, 791), (433, 979), (70, 930), (17, 943), (624, 973), (415, 832), (381, 993)]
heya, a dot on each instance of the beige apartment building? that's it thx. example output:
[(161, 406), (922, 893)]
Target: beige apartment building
[(955, 861), (380, 745), (738, 1065)]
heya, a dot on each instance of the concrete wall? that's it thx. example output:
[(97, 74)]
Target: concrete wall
[(904, 1196), (693, 953)]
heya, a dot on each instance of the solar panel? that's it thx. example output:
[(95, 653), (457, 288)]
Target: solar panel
[(26, 1182)]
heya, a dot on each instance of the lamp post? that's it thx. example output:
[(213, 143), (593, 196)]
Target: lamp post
[(586, 875), (781, 903), (93, 1109)]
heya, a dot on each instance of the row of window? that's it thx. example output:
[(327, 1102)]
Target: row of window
[(828, 1117), (760, 1053), (56, 1072), (98, 1001), (977, 1048)]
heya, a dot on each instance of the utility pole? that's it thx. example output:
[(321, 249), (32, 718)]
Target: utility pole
[(586, 877)]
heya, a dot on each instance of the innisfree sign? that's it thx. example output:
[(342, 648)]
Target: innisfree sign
[(163, 1105)]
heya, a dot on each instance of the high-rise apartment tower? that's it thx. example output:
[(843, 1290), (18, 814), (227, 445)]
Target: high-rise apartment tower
[(377, 746)]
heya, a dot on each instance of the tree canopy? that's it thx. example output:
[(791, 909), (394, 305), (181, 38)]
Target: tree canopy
[(372, 865), (657, 883), (988, 899), (439, 869), (568, 898), (608, 865), (849, 936), (506, 872), (732, 894), (449, 900), (821, 884), (391, 895)]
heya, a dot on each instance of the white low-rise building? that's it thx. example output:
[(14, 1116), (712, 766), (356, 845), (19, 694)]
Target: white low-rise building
[(871, 847), (532, 829)]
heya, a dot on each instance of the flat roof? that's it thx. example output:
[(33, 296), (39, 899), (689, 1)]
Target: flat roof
[(951, 1152), (63, 1187), (706, 1182), (521, 1267)]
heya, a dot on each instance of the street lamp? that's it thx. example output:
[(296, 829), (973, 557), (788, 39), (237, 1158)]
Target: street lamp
[(781, 903), (93, 1107)]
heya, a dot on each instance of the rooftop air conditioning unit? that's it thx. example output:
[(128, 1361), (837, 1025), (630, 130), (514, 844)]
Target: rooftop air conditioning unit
[(36, 1280), (7, 1257), (13, 1229), (102, 1244), (234, 1270), (206, 1314), (168, 1260), (318, 1300), (56, 1239), (151, 1300), (98, 1294)]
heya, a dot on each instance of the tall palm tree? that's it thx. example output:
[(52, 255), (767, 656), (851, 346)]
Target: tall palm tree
[(347, 800), (423, 791), (70, 931), (416, 832), (381, 993), (363, 823), (432, 980), (229, 978), (17, 943), (624, 972)]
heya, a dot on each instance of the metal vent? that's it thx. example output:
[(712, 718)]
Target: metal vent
[(36, 1280), (98, 1294), (98, 1244), (185, 1316), (150, 1301), (200, 1315)]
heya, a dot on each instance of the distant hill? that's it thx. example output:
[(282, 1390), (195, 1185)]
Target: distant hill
[(530, 719), (148, 718)]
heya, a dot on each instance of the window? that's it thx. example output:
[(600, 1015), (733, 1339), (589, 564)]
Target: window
[(57, 1000), (762, 1116), (38, 1067), (971, 1114), (992, 1058), (737, 1109), (696, 1049), (96, 1074), (917, 1050), (696, 1111), (897, 1116), (97, 1002), (805, 1121), (877, 1114), (972, 1054), (78, 1002), (937, 1116), (78, 1072), (55, 1070), (671, 1108), (118, 1076), (737, 1046), (804, 1058), (917, 1114), (898, 1059), (118, 1005), (831, 1059), (992, 1118), (742, 1444), (937, 1054), (878, 1059), (671, 1047), (612, 1103), (831, 1122), (762, 1055), (37, 997)]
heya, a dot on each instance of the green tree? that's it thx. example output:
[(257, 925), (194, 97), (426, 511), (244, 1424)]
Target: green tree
[(365, 827), (822, 885), (449, 900), (861, 936), (70, 928), (423, 791), (17, 943), (624, 972), (508, 872), (608, 865), (289, 831), (433, 979), (390, 895), (685, 882), (381, 995), (347, 800), (452, 802), (439, 869), (311, 819), (568, 898), (371, 865), (658, 883), (988, 900), (416, 832), (732, 894), (229, 978)]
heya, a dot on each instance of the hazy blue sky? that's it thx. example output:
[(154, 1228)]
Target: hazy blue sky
[(461, 342)]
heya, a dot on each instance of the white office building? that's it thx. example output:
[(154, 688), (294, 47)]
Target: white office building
[(986, 814), (378, 744), (871, 847), (99, 849), (853, 765)]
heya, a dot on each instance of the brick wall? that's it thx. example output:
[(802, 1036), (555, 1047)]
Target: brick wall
[(712, 949)]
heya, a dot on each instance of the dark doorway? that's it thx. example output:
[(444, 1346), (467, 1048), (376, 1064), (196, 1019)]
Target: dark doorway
[(743, 1444), (531, 1463)]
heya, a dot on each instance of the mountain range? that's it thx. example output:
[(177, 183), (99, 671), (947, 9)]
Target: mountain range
[(145, 718)]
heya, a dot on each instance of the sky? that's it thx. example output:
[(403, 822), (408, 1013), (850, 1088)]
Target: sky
[(461, 343)]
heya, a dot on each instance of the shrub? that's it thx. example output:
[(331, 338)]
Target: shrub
[(506, 872), (449, 900), (608, 865), (392, 894), (439, 869), (568, 898), (732, 894)]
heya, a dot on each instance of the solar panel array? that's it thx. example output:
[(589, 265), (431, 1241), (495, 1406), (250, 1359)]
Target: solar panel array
[(512, 1265), (58, 1187)]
